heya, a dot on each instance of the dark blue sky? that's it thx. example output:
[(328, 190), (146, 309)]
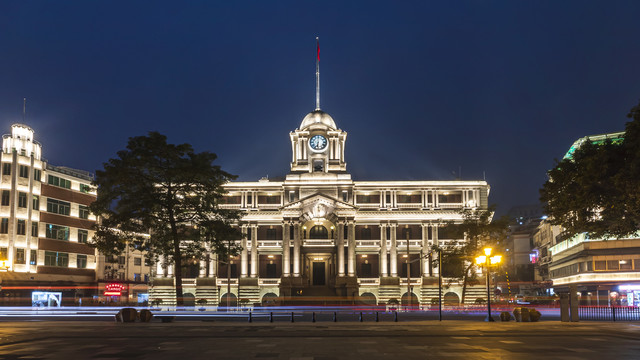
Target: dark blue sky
[(422, 88)]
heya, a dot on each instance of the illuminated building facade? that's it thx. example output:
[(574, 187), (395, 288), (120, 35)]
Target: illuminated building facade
[(44, 226), (604, 271), (318, 233)]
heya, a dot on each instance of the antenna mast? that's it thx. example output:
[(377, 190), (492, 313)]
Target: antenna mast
[(318, 74), (24, 110)]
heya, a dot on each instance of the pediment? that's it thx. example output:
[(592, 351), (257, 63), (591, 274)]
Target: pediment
[(318, 206)]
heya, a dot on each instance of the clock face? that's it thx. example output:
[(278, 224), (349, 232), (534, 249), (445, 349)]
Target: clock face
[(318, 143)]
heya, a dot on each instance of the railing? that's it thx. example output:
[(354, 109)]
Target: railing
[(367, 243), (318, 242), (189, 282), (414, 281), (268, 282), (369, 281), (368, 205), (410, 206), (269, 243), (230, 206), (221, 282), (402, 244), (450, 206), (609, 313)]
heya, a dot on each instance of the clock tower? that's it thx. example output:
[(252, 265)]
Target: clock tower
[(317, 146)]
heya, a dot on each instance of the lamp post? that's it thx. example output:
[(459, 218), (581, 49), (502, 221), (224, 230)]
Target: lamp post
[(486, 260)]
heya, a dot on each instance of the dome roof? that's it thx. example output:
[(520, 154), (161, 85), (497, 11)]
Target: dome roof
[(318, 117)]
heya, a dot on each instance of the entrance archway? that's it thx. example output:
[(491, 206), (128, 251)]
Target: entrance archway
[(368, 299), (451, 299), (414, 300), (269, 299), (233, 301)]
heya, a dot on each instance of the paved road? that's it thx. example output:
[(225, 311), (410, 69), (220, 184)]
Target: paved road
[(322, 340)]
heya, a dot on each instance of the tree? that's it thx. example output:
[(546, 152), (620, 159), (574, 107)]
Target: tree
[(163, 199), (479, 230), (597, 189)]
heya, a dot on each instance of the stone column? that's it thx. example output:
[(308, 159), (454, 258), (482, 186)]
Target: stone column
[(340, 248), (296, 249), (383, 250), (393, 252), (203, 268), (351, 243), (170, 269), (254, 251), (244, 260), (425, 250), (160, 267), (286, 260), (213, 265)]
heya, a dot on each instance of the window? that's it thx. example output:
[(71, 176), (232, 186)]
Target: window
[(365, 234), (136, 277), (318, 165), (22, 227), (613, 265), (4, 253), (6, 168), (406, 233), (22, 200), (52, 258), (4, 226), (20, 256), (24, 171), (33, 260), (82, 261), (85, 188), (57, 232), (271, 234), (626, 264), (345, 196), (137, 261), (292, 196), (318, 232), (146, 278), (34, 228), (600, 265), (83, 236), (147, 262), (5, 197), (36, 202), (56, 181), (58, 207), (83, 212), (121, 260), (37, 174)]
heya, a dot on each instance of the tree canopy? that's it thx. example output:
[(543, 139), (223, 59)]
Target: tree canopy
[(163, 199), (597, 189), (480, 230)]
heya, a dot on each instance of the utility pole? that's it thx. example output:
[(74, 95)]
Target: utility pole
[(408, 270)]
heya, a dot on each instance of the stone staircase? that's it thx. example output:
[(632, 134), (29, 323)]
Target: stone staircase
[(386, 293)]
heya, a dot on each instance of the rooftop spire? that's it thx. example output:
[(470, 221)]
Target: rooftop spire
[(318, 75)]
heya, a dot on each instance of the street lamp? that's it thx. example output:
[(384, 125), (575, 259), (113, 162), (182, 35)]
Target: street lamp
[(486, 260)]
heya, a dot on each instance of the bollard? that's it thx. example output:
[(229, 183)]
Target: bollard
[(271, 316), (250, 318), (335, 317), (377, 319), (360, 318), (313, 316), (292, 316), (395, 316)]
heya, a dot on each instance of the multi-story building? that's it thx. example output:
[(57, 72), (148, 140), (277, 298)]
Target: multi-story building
[(320, 233), (45, 224), (604, 271)]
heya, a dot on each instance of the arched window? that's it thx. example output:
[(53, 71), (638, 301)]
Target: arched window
[(318, 232)]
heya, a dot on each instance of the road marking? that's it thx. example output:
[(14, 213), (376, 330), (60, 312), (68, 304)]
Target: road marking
[(510, 342)]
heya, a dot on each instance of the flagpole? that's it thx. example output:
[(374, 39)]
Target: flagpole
[(317, 74)]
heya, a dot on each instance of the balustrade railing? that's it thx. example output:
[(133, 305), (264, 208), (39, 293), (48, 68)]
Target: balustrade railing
[(221, 281), (269, 243), (367, 243), (318, 242)]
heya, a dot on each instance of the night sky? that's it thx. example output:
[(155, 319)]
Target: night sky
[(422, 88)]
